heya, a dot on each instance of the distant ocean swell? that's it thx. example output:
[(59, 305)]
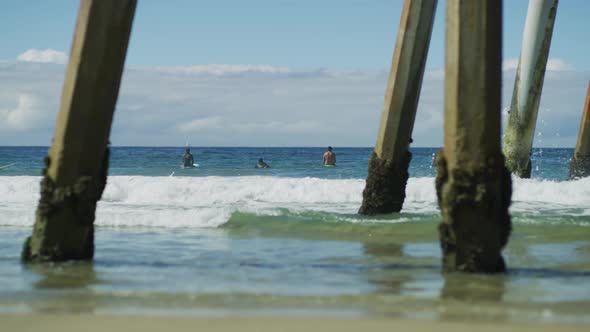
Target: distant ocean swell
[(195, 202)]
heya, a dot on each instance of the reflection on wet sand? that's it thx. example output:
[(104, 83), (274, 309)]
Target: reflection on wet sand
[(473, 288), (403, 289), (76, 277), (387, 281), (473, 297), (388, 276)]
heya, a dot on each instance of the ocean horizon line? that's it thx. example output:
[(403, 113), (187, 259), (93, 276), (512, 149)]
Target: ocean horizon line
[(265, 147)]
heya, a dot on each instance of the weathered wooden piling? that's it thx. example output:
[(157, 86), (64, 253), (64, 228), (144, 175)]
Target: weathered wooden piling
[(580, 163), (385, 188), (522, 117), (76, 167), (473, 185)]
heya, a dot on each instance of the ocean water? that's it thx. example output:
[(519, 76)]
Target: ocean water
[(229, 239)]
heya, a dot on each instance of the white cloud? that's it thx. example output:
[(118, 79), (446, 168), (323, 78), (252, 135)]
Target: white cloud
[(201, 124), (435, 74), (25, 115), (303, 126), (556, 64), (48, 56), (220, 69), (257, 108), (510, 64), (553, 64)]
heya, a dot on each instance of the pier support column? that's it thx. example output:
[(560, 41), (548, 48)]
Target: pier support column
[(385, 189), (76, 167), (522, 117), (473, 185), (580, 163)]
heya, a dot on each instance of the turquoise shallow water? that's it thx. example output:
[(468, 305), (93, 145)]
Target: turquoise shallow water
[(227, 239)]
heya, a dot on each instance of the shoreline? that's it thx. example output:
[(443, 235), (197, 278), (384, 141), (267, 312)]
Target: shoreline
[(90, 323)]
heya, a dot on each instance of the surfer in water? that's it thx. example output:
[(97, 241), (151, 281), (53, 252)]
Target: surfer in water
[(329, 157), (187, 159), (262, 164)]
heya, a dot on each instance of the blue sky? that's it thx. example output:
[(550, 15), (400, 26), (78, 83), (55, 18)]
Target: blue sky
[(339, 46), (341, 34)]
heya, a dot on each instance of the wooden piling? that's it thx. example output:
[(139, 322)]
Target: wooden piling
[(76, 167), (580, 163), (388, 167), (522, 117), (473, 185)]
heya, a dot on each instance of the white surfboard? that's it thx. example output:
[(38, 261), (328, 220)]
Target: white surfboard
[(194, 166), (3, 167)]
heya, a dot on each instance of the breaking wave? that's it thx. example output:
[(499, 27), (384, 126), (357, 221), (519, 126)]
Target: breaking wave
[(130, 201)]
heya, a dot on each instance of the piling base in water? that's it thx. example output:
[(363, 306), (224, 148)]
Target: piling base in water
[(476, 223), (521, 169), (385, 190), (64, 223), (579, 167)]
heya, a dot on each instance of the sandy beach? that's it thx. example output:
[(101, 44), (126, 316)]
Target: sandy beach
[(91, 323)]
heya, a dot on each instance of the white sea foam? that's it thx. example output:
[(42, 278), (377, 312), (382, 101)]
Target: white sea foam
[(210, 201)]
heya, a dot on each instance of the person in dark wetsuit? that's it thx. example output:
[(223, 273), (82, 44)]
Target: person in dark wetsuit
[(262, 164), (187, 159)]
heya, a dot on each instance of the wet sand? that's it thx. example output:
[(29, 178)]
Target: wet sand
[(91, 323)]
